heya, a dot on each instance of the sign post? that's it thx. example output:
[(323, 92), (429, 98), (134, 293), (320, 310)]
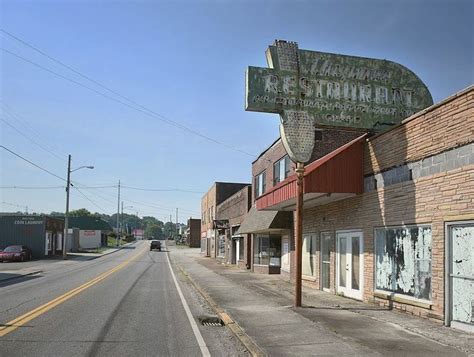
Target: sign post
[(312, 90)]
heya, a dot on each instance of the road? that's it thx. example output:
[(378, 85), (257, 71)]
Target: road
[(122, 304)]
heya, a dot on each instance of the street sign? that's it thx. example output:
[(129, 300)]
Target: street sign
[(315, 89)]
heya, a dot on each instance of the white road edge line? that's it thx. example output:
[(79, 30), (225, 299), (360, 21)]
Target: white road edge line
[(202, 345)]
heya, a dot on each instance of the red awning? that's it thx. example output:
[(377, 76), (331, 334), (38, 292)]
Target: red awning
[(335, 176)]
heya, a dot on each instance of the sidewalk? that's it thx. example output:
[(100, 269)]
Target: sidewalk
[(327, 324)]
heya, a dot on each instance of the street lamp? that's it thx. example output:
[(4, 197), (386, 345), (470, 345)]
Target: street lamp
[(66, 216)]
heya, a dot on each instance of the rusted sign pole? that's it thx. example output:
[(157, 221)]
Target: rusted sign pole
[(299, 230)]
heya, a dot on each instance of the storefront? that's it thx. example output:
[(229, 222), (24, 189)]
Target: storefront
[(390, 219), (42, 234), (270, 239)]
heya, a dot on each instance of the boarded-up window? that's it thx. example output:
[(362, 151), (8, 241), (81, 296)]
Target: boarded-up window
[(403, 261)]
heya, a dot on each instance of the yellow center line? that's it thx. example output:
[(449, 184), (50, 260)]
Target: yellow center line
[(25, 318)]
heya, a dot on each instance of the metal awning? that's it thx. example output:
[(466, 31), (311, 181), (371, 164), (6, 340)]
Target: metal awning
[(264, 221), (335, 176)]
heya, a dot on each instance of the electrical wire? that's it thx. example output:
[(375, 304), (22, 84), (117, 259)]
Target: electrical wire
[(30, 139), (160, 189), (136, 106), (31, 187), (23, 122), (90, 200), (32, 163)]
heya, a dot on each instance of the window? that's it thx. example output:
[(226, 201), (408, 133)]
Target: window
[(241, 248), (221, 248), (403, 261), (281, 169), (267, 249), (259, 183), (308, 258), (326, 244)]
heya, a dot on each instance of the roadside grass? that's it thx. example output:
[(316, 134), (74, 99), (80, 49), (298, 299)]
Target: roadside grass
[(112, 242)]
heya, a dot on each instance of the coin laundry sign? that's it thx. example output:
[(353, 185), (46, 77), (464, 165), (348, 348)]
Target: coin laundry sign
[(310, 89)]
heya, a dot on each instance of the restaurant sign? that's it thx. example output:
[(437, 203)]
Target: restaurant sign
[(315, 89)]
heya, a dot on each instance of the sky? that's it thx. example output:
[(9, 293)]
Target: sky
[(185, 61)]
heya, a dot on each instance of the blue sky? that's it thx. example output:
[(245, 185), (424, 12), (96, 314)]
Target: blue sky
[(186, 61)]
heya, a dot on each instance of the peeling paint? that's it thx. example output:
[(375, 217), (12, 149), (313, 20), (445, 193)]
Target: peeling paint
[(463, 273), (404, 261)]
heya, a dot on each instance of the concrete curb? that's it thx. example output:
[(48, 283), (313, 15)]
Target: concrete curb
[(113, 251), (19, 276), (245, 339)]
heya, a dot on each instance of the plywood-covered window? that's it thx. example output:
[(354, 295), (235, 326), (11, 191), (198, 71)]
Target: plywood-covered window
[(403, 261)]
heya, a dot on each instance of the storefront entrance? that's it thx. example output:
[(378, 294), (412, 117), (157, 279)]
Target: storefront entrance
[(460, 275), (349, 265)]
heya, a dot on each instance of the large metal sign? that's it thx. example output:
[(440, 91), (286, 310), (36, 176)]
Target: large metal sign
[(315, 89)]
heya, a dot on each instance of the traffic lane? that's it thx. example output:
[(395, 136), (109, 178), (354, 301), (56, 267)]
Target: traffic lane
[(27, 295), (135, 311)]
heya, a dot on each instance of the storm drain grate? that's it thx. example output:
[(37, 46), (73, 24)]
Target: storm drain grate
[(211, 321)]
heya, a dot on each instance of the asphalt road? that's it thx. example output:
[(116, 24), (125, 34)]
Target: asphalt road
[(122, 304)]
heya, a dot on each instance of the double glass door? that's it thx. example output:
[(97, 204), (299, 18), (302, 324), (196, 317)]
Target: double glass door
[(349, 272)]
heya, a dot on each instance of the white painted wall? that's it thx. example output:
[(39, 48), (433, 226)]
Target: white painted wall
[(89, 239)]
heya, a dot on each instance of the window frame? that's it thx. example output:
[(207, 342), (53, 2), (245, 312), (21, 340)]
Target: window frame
[(286, 167), (257, 186), (374, 272)]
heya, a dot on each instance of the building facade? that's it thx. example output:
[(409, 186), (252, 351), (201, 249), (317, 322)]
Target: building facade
[(42, 234), (233, 247), (193, 233), (218, 192), (272, 231), (390, 219)]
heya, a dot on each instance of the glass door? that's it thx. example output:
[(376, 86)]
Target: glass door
[(350, 264), (326, 244), (461, 276)]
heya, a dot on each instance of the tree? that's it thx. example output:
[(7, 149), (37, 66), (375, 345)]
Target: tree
[(153, 231), (81, 212)]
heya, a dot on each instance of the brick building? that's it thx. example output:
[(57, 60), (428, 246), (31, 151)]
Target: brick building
[(233, 247), (193, 233), (272, 230), (218, 193), (390, 219)]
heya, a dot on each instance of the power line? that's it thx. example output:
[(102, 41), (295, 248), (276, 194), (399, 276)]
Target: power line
[(90, 200), (30, 139), (13, 204), (15, 116), (160, 189), (31, 187), (143, 109), (32, 163)]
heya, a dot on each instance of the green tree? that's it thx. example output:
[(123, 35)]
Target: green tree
[(81, 212), (153, 231)]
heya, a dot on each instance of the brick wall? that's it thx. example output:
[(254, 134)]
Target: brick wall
[(331, 140), (429, 198)]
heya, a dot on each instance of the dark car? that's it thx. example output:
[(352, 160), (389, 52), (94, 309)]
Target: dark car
[(155, 244), (15, 253)]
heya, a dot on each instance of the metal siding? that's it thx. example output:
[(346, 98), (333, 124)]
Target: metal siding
[(339, 172), (30, 235)]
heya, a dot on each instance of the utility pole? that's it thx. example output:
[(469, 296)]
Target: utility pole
[(66, 215), (121, 220), (171, 227), (177, 231), (118, 217)]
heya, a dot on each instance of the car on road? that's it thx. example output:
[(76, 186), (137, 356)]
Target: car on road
[(13, 253), (155, 244)]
